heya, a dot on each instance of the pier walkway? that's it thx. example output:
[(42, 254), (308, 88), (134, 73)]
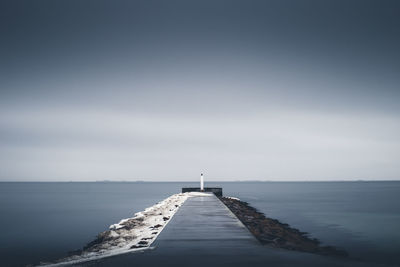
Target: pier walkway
[(205, 223), (204, 232)]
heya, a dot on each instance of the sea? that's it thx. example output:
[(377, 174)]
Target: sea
[(43, 221)]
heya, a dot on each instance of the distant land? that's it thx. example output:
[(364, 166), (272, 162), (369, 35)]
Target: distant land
[(193, 181)]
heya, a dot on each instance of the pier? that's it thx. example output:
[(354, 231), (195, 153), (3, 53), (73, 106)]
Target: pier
[(205, 222), (204, 232)]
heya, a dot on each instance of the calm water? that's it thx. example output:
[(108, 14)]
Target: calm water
[(42, 221)]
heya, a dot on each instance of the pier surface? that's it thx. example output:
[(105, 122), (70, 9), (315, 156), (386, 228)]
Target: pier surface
[(205, 223), (204, 232)]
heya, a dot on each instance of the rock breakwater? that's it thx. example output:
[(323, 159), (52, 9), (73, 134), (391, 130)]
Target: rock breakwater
[(276, 234)]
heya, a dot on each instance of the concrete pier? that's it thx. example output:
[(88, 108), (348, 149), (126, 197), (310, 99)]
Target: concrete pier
[(205, 222), (204, 232)]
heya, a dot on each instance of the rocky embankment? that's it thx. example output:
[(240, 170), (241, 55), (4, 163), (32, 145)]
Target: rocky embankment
[(276, 234), (135, 233)]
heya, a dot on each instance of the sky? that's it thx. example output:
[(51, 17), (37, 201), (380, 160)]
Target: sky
[(163, 90)]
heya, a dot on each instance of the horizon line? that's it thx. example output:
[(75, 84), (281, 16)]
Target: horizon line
[(191, 181)]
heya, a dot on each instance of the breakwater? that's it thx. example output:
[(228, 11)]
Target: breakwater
[(276, 234)]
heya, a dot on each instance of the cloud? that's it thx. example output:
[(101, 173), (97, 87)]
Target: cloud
[(95, 145)]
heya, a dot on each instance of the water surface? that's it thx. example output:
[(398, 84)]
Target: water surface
[(43, 221)]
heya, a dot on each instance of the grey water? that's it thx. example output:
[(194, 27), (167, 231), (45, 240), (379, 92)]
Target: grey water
[(44, 221)]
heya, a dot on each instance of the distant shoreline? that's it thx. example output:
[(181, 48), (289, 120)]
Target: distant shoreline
[(216, 181)]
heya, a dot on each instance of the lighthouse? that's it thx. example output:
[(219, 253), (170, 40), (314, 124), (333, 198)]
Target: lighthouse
[(201, 183)]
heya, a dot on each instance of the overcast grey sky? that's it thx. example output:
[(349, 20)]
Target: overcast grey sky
[(164, 90)]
